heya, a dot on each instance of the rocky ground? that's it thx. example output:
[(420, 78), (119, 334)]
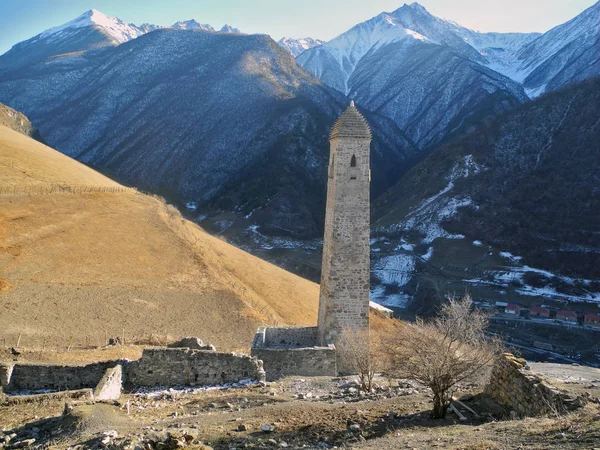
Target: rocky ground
[(293, 413)]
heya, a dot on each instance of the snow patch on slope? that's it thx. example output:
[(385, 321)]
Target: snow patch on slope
[(396, 269), (427, 216), (516, 274)]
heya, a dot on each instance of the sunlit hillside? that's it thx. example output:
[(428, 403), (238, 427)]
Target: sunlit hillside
[(83, 257)]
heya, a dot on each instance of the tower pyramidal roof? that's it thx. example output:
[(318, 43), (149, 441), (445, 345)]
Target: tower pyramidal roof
[(351, 124)]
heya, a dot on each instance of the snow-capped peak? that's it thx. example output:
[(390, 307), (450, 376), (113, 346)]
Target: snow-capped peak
[(297, 46), (115, 28), (192, 25), (229, 29), (119, 31)]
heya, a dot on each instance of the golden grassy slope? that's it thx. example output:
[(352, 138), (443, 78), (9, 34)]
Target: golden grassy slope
[(25, 162), (94, 264)]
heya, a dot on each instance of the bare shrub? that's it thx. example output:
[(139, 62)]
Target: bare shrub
[(173, 212), (361, 354), (443, 352)]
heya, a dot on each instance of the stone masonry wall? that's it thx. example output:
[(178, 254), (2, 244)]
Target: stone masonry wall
[(287, 351), (514, 386), (290, 336), (34, 377), (184, 366), (344, 298), (307, 361)]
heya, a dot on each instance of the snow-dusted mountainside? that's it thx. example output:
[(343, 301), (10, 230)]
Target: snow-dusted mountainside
[(414, 68), (92, 30), (430, 91), (567, 53), (226, 121), (508, 208), (297, 46), (500, 50), (360, 64)]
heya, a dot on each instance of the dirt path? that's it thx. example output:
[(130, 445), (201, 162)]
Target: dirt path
[(303, 413)]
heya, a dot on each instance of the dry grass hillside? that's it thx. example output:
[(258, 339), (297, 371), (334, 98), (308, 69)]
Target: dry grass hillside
[(82, 258)]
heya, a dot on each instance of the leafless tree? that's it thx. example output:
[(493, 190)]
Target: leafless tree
[(360, 352), (443, 352)]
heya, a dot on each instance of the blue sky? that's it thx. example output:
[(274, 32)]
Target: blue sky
[(324, 19)]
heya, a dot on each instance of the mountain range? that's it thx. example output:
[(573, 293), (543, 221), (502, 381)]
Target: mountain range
[(540, 62), (234, 129), (92, 30), (423, 71), (236, 111)]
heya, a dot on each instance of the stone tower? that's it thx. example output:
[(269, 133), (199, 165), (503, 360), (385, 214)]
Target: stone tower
[(344, 299)]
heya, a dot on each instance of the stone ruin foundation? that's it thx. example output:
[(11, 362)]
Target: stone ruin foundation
[(288, 351), (514, 386), (158, 366)]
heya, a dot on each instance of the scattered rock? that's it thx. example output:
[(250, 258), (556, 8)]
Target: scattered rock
[(190, 342), (114, 341), (268, 428), (24, 443)]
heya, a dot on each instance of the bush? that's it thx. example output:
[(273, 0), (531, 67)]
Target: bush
[(443, 352), (361, 354)]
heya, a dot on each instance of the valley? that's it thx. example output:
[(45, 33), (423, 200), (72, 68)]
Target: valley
[(171, 194), (252, 168)]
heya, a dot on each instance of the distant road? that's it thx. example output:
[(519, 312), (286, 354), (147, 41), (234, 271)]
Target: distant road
[(549, 322), (567, 372)]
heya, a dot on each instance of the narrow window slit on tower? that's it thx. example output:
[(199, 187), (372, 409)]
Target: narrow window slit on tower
[(353, 161), (332, 166)]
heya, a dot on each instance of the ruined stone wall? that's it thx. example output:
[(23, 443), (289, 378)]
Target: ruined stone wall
[(344, 299), (5, 374), (290, 336), (34, 377), (111, 384), (514, 386), (158, 366), (306, 362), (287, 351), (184, 366)]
